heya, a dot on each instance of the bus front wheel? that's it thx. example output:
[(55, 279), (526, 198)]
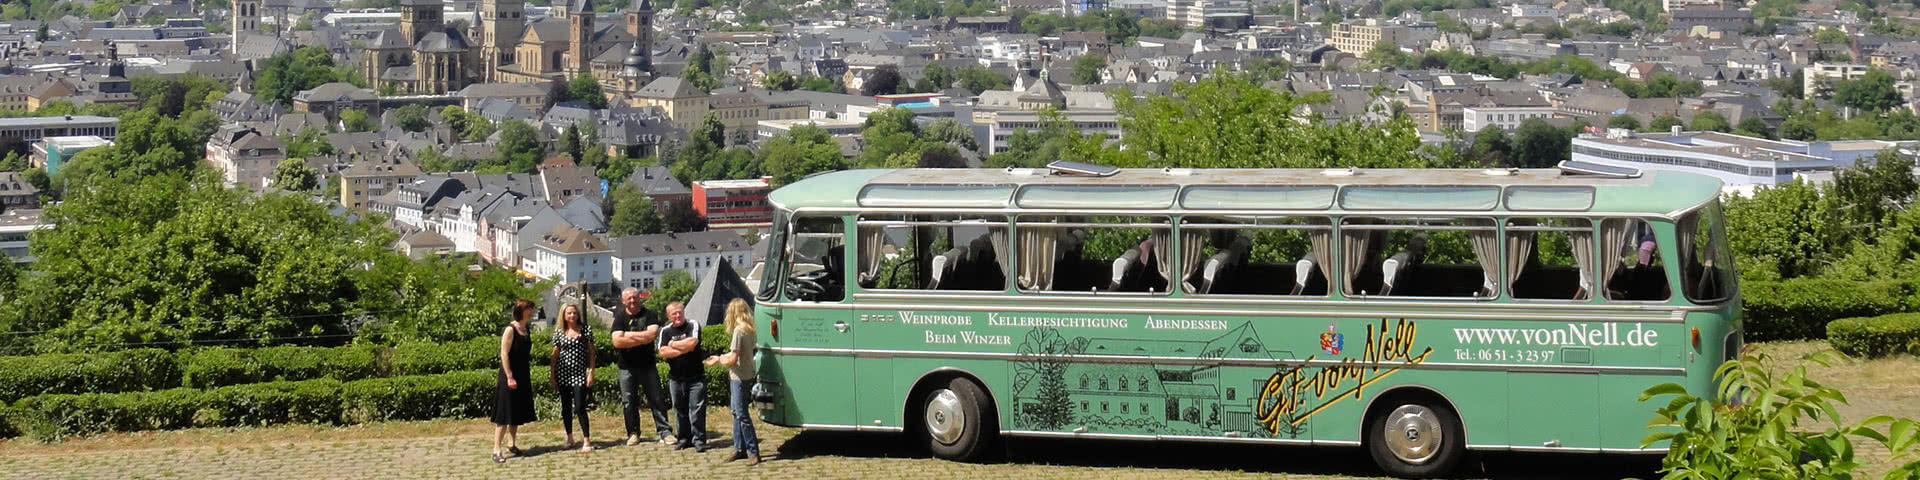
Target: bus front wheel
[(955, 416), (1416, 439)]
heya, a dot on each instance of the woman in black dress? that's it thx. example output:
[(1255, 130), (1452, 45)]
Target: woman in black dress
[(513, 396)]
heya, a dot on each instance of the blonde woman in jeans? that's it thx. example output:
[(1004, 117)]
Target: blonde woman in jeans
[(739, 362)]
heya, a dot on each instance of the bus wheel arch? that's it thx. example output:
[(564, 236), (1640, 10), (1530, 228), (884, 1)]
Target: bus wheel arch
[(1434, 440), (960, 391)]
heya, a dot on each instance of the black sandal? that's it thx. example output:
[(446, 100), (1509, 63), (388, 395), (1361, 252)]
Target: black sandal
[(499, 458)]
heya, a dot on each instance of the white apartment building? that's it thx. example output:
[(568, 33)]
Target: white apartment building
[(1473, 119), (244, 156), (1358, 38), (571, 255), (640, 260), (1819, 78), (15, 225)]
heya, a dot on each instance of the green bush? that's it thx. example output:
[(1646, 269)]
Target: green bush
[(1801, 308), (1876, 336), (419, 397), (214, 366), (122, 371), (272, 403), (57, 416), (426, 358)]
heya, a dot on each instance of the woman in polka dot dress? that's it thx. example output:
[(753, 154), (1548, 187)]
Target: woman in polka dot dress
[(573, 361)]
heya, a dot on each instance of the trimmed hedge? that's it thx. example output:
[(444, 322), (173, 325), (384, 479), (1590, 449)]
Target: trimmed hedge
[(122, 371), (213, 367), (1800, 309), (1876, 336), (466, 394)]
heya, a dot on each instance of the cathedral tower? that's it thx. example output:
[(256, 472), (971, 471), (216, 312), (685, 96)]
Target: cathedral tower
[(501, 26), (640, 25), (579, 38), (246, 19), (418, 17)]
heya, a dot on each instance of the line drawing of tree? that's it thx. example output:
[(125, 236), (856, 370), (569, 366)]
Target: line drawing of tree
[(1043, 373)]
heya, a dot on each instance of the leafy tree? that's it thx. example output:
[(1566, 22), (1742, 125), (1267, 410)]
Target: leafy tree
[(681, 217), (13, 162), (950, 132), (293, 174), (37, 177), (584, 88), (883, 80), (1754, 127), (1869, 193), (478, 129), (354, 120), (412, 118), (978, 79), (1710, 121), (1624, 121), (1872, 92), (1797, 129), (148, 145), (803, 151), (570, 143), (1086, 69), (823, 84), (456, 118), (699, 71), (940, 155), (520, 149), (633, 213), (1664, 123), (1830, 36), (1491, 147), (287, 74), (173, 97), (432, 161), (1751, 426), (1227, 120), (1537, 144), (782, 81), (675, 285), (697, 161), (1780, 232)]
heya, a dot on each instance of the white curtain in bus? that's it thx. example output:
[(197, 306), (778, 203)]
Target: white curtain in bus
[(1192, 251), (998, 236), (1519, 249), (1615, 235), (1353, 252), (1583, 257), (873, 240), (1322, 240), (1486, 248), (1038, 249)]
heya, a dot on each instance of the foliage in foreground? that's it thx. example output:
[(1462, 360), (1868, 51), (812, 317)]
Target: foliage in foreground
[(1758, 425)]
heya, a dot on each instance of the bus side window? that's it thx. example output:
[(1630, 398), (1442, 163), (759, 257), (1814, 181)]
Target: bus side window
[(1094, 254), (931, 252), (1550, 258), (1259, 256), (1420, 257), (1630, 261), (815, 260)]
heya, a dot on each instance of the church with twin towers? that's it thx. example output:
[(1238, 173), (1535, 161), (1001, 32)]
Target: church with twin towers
[(425, 56)]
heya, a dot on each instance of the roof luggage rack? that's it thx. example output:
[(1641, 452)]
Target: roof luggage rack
[(1571, 167), (1066, 168)]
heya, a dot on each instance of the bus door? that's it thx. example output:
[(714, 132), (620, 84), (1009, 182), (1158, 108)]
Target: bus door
[(816, 324)]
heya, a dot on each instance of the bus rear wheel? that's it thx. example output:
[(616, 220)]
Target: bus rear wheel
[(956, 423), (1416, 439)]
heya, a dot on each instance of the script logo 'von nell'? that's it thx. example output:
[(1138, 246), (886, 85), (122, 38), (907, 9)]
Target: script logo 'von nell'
[(1285, 399)]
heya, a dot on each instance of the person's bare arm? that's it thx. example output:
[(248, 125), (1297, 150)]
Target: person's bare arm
[(649, 335), (670, 350), (592, 359), (623, 339), (686, 345), (553, 374), (506, 343)]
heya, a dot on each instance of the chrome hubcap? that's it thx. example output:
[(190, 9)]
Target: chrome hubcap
[(945, 420), (1413, 433)]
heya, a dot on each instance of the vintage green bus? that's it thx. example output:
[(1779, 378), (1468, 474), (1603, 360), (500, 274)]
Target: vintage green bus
[(1416, 313)]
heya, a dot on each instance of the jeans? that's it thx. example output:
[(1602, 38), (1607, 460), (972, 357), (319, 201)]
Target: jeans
[(632, 384), (573, 403), (744, 440), (689, 410)]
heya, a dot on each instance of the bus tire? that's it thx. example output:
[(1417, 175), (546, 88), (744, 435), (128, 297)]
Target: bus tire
[(1416, 438), (954, 419)]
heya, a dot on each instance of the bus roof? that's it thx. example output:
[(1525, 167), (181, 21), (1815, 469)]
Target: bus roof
[(1334, 190)]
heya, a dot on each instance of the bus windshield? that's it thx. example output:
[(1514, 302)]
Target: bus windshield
[(1708, 273), (776, 248)]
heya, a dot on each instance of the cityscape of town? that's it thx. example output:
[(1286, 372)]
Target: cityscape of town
[(511, 129)]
